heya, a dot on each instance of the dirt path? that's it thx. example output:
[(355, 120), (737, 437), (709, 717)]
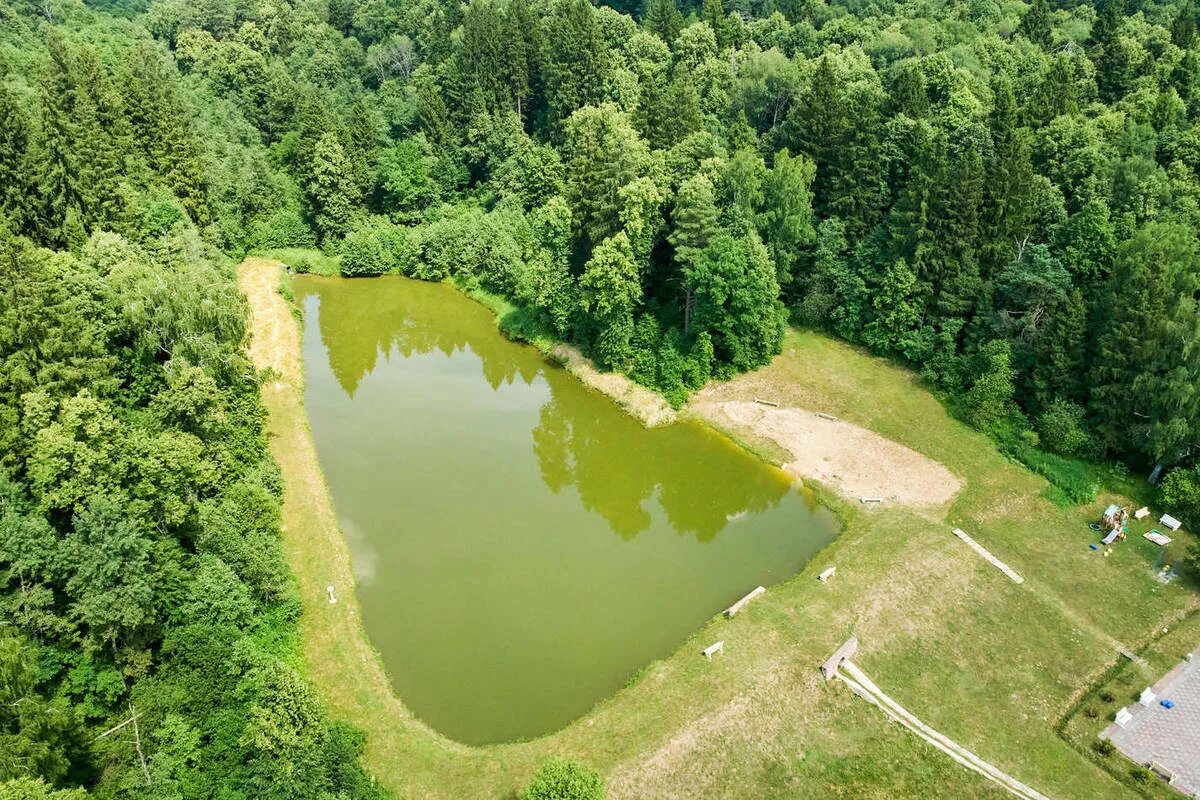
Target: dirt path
[(274, 337), (851, 460)]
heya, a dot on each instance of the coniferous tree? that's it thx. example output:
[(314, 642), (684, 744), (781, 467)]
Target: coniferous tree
[(103, 140), (1183, 28), (332, 195), (662, 17), (522, 45), (159, 125), (482, 60), (1008, 200), (1147, 367), (15, 208), (713, 12), (694, 224), (1035, 25), (58, 174), (575, 61)]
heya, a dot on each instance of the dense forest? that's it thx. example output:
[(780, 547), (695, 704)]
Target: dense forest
[(1003, 195)]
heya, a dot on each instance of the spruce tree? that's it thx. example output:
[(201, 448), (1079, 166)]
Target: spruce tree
[(1035, 25), (1147, 366), (662, 17), (693, 226), (332, 195), (103, 140), (58, 175), (1008, 195), (15, 208), (713, 12), (160, 129), (1183, 28)]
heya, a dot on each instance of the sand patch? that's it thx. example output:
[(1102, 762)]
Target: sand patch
[(851, 460)]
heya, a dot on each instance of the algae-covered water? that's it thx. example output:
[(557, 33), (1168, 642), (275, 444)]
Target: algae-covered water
[(522, 547)]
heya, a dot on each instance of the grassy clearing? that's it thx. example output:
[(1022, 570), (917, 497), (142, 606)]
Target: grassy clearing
[(991, 664)]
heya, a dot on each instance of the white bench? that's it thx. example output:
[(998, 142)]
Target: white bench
[(736, 607)]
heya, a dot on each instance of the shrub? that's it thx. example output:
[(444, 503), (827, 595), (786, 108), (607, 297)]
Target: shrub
[(376, 246), (1104, 747), (1180, 494), (1107, 696), (451, 244), (1061, 430), (1140, 775), (284, 228), (990, 399), (565, 780), (1090, 712)]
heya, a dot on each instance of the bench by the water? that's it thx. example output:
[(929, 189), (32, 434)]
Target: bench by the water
[(736, 607), (715, 647)]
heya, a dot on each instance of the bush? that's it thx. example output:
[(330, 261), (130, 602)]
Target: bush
[(1140, 775), (1180, 494), (284, 228), (450, 244), (1104, 747), (990, 399), (1061, 428), (376, 246), (565, 780)]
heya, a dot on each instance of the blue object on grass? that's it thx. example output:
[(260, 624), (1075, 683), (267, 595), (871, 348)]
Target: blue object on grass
[(1094, 546), (1167, 703)]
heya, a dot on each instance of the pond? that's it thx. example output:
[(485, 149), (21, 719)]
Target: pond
[(522, 547)]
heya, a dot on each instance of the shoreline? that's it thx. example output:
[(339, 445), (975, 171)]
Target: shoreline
[(688, 727), (334, 641)]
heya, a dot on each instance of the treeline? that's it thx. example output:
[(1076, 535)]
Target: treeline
[(148, 637), (1003, 195)]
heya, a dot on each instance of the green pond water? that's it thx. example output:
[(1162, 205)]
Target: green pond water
[(522, 547)]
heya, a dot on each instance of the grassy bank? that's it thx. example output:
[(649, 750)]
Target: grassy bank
[(991, 664)]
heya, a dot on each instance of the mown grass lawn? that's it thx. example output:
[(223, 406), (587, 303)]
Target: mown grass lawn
[(991, 664)]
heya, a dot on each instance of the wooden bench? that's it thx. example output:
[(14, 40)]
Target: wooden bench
[(736, 607), (830, 667)]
